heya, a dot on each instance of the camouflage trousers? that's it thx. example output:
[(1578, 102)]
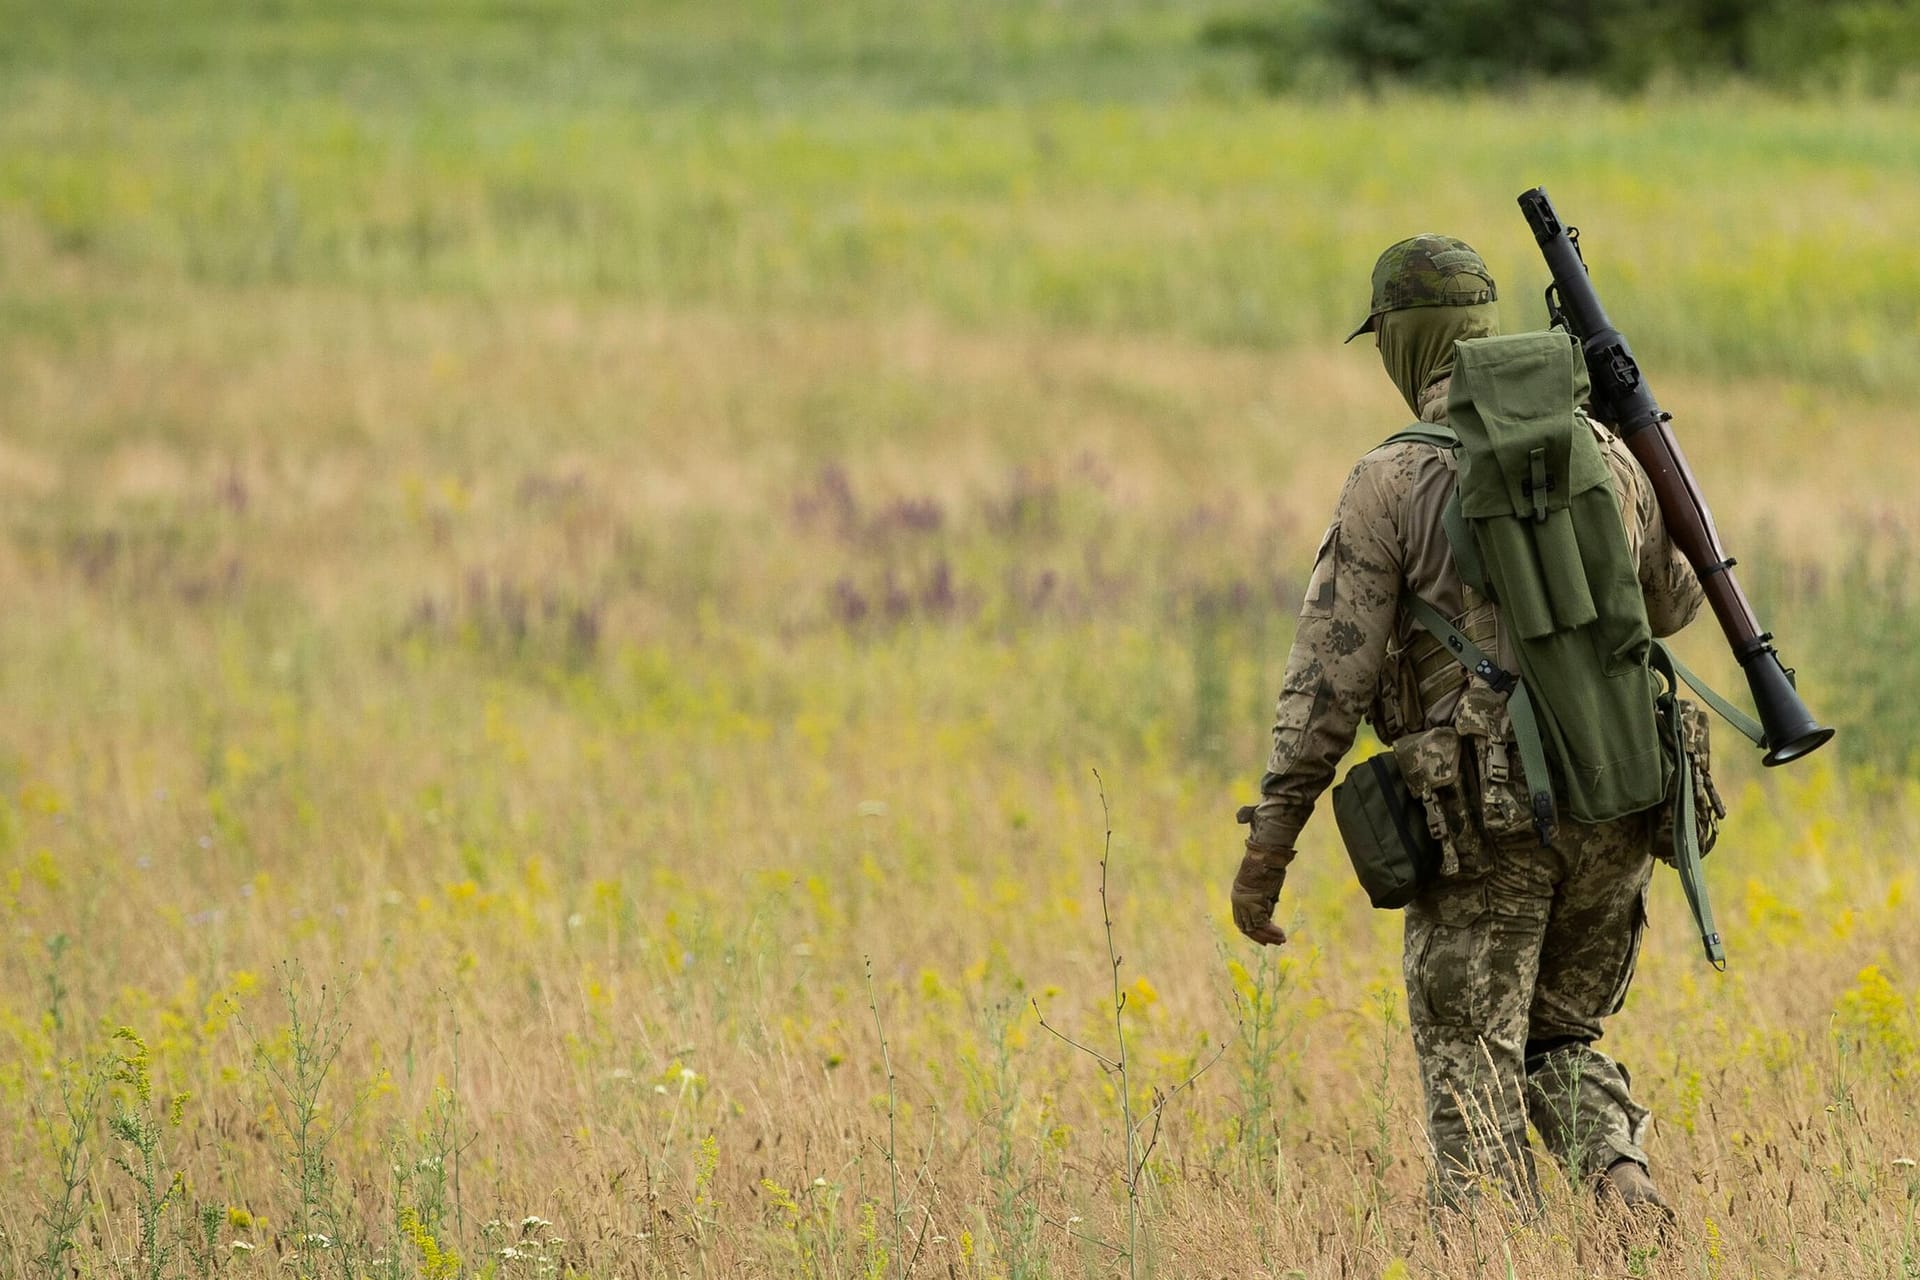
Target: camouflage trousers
[(1511, 967)]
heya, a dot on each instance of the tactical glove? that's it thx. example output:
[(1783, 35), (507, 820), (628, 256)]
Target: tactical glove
[(1256, 889)]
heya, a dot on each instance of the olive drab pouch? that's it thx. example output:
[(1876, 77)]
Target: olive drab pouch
[(1430, 763), (1690, 819), (1496, 791), (1384, 826), (1708, 809)]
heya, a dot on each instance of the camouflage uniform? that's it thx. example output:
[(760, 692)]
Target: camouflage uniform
[(1513, 960)]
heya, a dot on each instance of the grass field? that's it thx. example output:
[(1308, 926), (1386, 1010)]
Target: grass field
[(569, 570)]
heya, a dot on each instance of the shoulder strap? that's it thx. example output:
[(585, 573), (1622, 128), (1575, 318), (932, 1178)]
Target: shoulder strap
[(1434, 433), (1733, 715), (1466, 552), (1686, 837), (1526, 725)]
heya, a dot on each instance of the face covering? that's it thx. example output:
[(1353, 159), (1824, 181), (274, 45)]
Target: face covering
[(1416, 344)]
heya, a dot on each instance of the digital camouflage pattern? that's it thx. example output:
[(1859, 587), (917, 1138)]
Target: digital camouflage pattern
[(1427, 271), (1510, 972), (1516, 945)]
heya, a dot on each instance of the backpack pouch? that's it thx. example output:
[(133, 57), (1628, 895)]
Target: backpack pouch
[(1497, 786), (1708, 808), (1384, 826)]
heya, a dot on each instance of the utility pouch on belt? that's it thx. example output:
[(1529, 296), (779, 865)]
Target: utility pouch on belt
[(1695, 740), (1692, 831), (1384, 826)]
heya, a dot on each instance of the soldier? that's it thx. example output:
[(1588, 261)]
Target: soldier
[(1514, 960)]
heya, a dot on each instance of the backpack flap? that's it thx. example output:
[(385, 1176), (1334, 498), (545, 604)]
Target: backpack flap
[(1524, 465)]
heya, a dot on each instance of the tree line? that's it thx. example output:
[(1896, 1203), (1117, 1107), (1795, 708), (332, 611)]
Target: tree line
[(1868, 46)]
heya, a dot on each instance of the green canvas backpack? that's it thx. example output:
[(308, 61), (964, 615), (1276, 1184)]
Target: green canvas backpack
[(1536, 495)]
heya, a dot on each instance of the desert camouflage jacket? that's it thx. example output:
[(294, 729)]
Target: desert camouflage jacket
[(1356, 654)]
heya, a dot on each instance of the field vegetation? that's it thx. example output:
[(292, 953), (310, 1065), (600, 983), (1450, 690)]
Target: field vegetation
[(569, 571)]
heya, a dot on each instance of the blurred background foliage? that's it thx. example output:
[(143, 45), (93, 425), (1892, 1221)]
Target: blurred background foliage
[(1847, 45), (1111, 171)]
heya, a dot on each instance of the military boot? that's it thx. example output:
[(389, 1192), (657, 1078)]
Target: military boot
[(1626, 1186)]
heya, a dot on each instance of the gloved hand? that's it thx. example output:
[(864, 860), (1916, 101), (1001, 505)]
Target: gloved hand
[(1256, 889)]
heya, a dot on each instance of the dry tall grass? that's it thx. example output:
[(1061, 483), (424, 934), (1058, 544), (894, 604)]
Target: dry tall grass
[(535, 700)]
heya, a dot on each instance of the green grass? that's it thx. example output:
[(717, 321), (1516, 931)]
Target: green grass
[(758, 55), (507, 149)]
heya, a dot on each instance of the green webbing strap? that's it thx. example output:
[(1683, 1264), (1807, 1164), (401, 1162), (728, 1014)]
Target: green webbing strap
[(1733, 715), (1533, 761), (1539, 484), (1686, 836), (1466, 552), (1425, 433), (1526, 725)]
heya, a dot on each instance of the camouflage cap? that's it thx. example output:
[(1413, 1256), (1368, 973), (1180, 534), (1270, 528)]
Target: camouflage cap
[(1427, 271)]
